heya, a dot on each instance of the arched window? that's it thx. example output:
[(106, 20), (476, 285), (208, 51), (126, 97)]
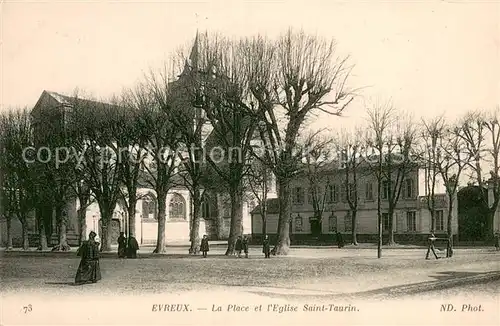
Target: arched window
[(177, 207), (205, 207), (149, 207)]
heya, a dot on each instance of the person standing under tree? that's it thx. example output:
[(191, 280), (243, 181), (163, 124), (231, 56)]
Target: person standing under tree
[(88, 270), (133, 246), (266, 247), (238, 246), (244, 244), (340, 240), (204, 246), (122, 245)]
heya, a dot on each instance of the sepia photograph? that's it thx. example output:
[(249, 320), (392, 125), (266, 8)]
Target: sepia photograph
[(250, 162)]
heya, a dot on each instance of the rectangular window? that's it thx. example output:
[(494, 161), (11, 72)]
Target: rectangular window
[(335, 193), (439, 218), (409, 191), (369, 191), (298, 224), (411, 221), (385, 190), (329, 193), (343, 193), (310, 197), (385, 221), (298, 195), (348, 222), (352, 192)]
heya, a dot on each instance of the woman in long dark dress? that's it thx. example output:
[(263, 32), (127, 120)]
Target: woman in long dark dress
[(89, 270), (132, 248), (122, 245)]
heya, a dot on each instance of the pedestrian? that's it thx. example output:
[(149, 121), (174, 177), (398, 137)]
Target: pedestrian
[(340, 240), (266, 247), (122, 245), (132, 247), (431, 247), (204, 246), (88, 270), (244, 244), (239, 246)]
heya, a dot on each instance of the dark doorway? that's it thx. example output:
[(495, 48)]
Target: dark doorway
[(315, 226)]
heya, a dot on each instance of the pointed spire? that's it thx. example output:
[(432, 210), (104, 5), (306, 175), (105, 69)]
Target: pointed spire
[(191, 62), (193, 57)]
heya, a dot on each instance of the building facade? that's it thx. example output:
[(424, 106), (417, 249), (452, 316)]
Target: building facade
[(411, 218)]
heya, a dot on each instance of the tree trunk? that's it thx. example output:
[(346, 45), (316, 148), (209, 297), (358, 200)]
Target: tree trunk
[(354, 227), (195, 222), (160, 239), (105, 230), (283, 242), (391, 241), (131, 216), (236, 219), (488, 229), (62, 221), (9, 233), (433, 221), (82, 225), (263, 213), (449, 251), (26, 243), (43, 246), (379, 220)]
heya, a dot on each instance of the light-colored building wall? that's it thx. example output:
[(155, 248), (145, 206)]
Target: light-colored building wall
[(411, 214)]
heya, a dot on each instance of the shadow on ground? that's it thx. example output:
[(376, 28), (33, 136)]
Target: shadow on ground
[(458, 279)]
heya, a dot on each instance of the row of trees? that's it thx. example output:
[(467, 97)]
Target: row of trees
[(446, 151), (246, 91)]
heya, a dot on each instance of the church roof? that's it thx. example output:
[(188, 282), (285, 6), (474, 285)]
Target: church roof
[(273, 206)]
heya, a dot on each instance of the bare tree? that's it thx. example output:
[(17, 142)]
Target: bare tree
[(350, 148), (258, 181), (454, 159), (153, 101), (290, 79), (187, 118), (432, 140), (317, 153), (19, 186), (224, 99), (380, 118), (132, 137), (95, 125), (481, 133)]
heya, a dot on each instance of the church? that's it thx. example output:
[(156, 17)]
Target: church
[(51, 113)]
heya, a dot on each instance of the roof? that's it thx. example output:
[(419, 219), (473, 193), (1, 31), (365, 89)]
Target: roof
[(273, 206)]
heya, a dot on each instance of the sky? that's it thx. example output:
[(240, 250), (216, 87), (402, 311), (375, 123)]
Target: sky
[(427, 57)]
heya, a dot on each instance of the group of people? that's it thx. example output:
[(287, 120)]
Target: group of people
[(89, 270), (240, 246), (127, 249)]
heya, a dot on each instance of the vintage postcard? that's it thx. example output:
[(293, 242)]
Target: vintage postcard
[(250, 163)]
